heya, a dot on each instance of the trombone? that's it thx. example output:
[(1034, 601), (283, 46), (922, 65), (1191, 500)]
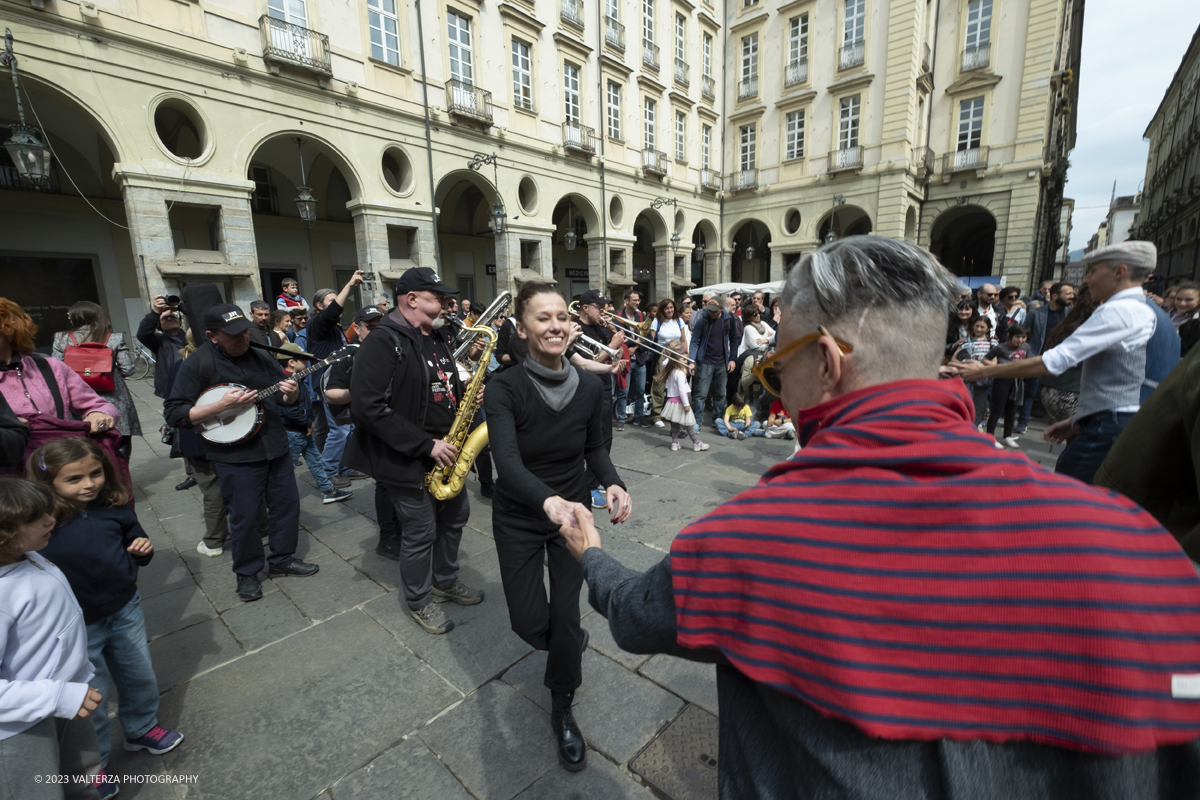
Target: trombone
[(636, 333), (466, 337)]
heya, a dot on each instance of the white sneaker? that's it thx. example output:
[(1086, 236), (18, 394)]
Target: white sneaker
[(674, 445), (659, 424), (1011, 441), (209, 551), (998, 445), (700, 446)]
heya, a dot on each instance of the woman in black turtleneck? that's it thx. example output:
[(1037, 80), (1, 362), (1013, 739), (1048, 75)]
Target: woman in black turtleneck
[(545, 419)]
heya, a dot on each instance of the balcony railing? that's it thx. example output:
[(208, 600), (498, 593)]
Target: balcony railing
[(797, 72), (743, 180), (579, 138), (654, 162), (977, 57), (286, 43), (614, 33), (747, 88), (467, 100), (650, 54), (926, 58), (964, 160), (851, 55), (710, 179), (572, 13), (708, 87), (924, 160), (847, 158), (681, 72)]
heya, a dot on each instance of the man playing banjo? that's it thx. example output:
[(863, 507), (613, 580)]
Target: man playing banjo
[(252, 468)]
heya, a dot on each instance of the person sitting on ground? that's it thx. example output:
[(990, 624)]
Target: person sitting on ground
[(779, 425), (290, 297), (297, 422), (738, 422), (1007, 393), (822, 620)]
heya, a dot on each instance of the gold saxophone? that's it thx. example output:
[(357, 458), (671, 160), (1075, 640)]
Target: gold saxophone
[(446, 482)]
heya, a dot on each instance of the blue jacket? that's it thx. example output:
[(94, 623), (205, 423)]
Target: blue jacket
[(298, 416), (1162, 351), (702, 326)]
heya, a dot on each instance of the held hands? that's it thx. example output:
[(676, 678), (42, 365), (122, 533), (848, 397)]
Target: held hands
[(620, 506), (141, 547), (100, 421), (967, 370), (90, 703), (562, 512), (443, 453), (580, 533), (1061, 432)]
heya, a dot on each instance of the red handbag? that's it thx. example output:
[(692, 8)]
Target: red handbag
[(92, 361)]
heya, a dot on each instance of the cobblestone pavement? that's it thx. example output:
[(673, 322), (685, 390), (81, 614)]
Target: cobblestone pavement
[(325, 689)]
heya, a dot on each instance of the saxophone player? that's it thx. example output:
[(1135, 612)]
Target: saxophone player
[(404, 402), (546, 420)]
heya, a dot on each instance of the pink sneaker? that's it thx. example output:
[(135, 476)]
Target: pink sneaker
[(699, 446), (674, 445)]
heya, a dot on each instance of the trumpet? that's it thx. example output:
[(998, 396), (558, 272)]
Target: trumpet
[(594, 348), (467, 336)]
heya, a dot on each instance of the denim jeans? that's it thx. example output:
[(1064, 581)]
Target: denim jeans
[(118, 652), (709, 376), (1086, 452), (637, 390), (302, 444), (335, 444), (1031, 390), (754, 429)]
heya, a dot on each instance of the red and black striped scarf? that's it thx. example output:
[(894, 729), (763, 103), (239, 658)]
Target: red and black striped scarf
[(902, 574)]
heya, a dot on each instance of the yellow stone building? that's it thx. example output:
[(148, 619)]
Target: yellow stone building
[(680, 142)]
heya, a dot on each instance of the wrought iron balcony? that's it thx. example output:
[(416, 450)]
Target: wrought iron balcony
[(708, 87), (467, 100), (845, 159), (851, 55), (681, 72), (977, 57), (710, 179), (650, 54), (924, 160), (285, 43), (654, 162), (579, 138), (572, 13), (965, 160), (743, 180), (797, 72), (614, 33), (747, 88)]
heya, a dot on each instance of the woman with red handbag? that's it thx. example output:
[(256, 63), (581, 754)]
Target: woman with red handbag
[(92, 343)]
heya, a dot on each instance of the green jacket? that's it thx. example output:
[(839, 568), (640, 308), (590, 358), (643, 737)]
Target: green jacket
[(1154, 460)]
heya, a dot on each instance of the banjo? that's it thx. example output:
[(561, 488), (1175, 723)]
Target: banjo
[(239, 425)]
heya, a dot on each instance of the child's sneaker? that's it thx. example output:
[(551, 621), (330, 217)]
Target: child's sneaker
[(731, 435), (336, 496), (739, 435), (674, 445), (599, 500), (789, 435), (106, 786), (211, 552), (156, 741), (698, 446), (1012, 442)]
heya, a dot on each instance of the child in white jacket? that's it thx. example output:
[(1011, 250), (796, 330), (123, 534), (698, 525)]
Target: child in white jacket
[(45, 700)]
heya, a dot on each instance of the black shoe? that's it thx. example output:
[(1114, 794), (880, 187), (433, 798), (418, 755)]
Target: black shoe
[(248, 588), (487, 490), (355, 475), (389, 548), (619, 425), (295, 567), (339, 481), (572, 751), (188, 483)]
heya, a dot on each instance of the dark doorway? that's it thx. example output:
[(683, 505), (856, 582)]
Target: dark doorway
[(271, 279), (964, 240), (46, 286)]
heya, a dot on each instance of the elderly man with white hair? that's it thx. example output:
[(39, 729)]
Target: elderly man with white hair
[(881, 628)]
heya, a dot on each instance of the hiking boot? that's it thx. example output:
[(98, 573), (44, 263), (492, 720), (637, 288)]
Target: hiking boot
[(432, 619), (156, 741), (248, 589), (460, 593), (572, 752)]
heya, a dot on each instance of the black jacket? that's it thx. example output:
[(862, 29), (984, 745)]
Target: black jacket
[(165, 349), (14, 436), (388, 400), (298, 416)]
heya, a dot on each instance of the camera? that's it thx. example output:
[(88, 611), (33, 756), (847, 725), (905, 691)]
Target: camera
[(172, 300), (368, 277)]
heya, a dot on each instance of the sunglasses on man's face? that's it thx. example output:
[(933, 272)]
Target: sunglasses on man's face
[(767, 371)]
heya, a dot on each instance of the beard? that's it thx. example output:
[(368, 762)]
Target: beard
[(438, 322)]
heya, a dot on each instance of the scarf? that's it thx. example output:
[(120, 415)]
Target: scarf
[(556, 387), (903, 575)]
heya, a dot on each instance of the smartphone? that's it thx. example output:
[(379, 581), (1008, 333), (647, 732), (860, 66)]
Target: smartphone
[(369, 276)]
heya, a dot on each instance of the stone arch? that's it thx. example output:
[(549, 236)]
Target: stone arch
[(846, 220), (578, 206), (464, 199), (964, 239), (661, 227), (74, 101), (749, 243), (315, 148)]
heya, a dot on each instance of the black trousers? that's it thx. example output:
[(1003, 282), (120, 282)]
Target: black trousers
[(550, 624), (386, 514), (1002, 405), (243, 488), (607, 425)]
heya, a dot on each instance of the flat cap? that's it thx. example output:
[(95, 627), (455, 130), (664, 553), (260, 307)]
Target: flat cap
[(1135, 254)]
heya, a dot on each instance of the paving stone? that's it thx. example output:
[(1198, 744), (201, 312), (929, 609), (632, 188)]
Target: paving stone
[(308, 547), (175, 610), (351, 690), (264, 621), (602, 640), (600, 779), (220, 587), (336, 588), (197, 562), (165, 572), (718, 475), (409, 771), (691, 680), (662, 506), (382, 570), (179, 656), (474, 543), (495, 741), (353, 542), (617, 710)]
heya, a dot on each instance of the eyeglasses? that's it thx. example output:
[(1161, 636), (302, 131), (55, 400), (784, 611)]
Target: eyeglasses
[(768, 373)]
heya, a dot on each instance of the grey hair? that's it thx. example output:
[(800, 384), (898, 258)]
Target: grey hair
[(886, 297), (382, 298), (321, 295)]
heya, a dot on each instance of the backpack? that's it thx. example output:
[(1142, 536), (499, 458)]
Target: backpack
[(92, 361)]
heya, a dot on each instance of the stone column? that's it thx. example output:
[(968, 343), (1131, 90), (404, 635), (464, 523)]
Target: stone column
[(508, 263), (718, 267), (544, 261), (664, 268), (235, 238), (597, 266), (370, 241), (150, 233), (776, 273)]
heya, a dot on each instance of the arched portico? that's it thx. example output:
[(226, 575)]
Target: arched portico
[(964, 240)]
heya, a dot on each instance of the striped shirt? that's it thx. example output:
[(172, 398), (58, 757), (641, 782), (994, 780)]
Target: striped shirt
[(880, 576)]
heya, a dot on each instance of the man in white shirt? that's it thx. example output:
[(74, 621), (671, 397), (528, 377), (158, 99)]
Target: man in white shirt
[(1111, 345)]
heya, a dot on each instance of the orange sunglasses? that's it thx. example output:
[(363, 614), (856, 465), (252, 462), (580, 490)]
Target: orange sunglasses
[(768, 373)]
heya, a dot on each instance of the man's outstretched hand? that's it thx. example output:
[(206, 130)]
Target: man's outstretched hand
[(582, 535)]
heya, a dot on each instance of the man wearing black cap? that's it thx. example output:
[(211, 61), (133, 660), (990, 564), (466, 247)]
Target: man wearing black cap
[(591, 319), (255, 468), (404, 394)]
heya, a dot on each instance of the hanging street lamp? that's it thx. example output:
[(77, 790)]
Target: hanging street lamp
[(749, 252), (838, 200), (698, 252), (305, 202), (675, 242), (570, 238), (31, 157), (498, 214)]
